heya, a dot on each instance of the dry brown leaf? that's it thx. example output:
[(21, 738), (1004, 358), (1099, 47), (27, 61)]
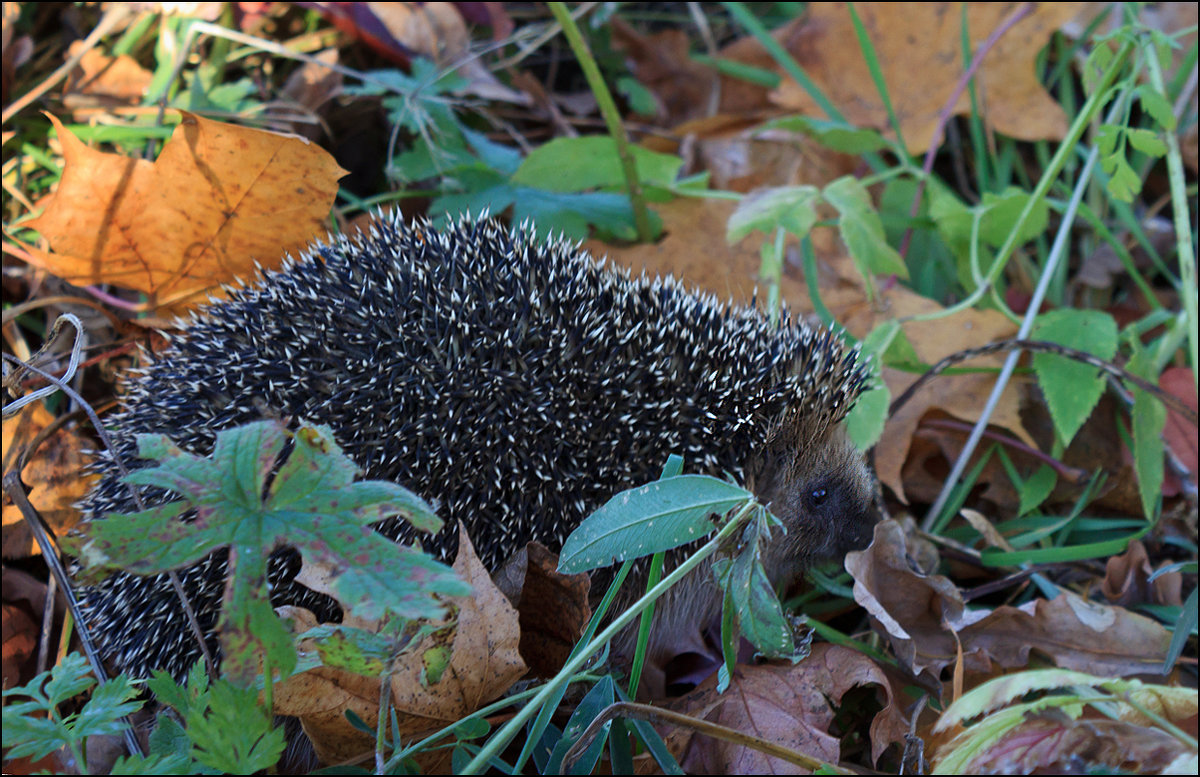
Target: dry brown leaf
[(926, 621), (484, 663), (788, 705), (693, 249), (553, 607), (919, 47), (1050, 742), (1179, 434), (961, 396), (219, 199), (54, 475), (313, 84), (24, 600), (1127, 580), (101, 81)]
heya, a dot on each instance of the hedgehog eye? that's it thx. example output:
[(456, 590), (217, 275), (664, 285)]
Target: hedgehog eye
[(818, 496)]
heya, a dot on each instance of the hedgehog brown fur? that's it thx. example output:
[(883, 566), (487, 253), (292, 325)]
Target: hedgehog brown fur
[(511, 380)]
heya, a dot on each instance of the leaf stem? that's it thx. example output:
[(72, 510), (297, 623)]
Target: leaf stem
[(612, 117)]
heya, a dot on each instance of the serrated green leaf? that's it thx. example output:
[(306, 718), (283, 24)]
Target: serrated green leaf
[(644, 520), (1071, 388), (103, 713), (1159, 108), (313, 505), (69, 679), (235, 734), (1123, 182), (789, 207), (1147, 142), (861, 228)]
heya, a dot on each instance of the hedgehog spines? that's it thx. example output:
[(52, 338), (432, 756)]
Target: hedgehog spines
[(515, 382)]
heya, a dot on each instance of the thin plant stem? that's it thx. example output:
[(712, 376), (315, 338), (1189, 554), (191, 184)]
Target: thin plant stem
[(612, 118)]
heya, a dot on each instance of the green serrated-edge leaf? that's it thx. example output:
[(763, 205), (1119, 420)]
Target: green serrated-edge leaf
[(1123, 183), (861, 228), (104, 712), (1147, 141), (1071, 388), (1157, 106), (790, 207), (644, 520), (69, 679), (234, 734)]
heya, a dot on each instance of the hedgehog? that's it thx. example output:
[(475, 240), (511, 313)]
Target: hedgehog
[(511, 380)]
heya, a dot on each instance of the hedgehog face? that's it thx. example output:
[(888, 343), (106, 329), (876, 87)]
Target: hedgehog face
[(823, 493)]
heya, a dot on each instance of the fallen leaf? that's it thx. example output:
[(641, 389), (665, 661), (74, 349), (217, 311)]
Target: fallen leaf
[(220, 199), (919, 48), (55, 477), (1127, 580), (1051, 742), (101, 81), (484, 663), (553, 607), (927, 622), (790, 705)]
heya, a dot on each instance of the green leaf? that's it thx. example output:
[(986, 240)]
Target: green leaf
[(592, 162), (233, 733), (1000, 213), (862, 230), (1149, 419), (835, 135), (644, 520), (601, 696), (1155, 104), (1147, 141), (790, 207), (865, 421), (1034, 490), (758, 609), (1072, 389), (313, 505)]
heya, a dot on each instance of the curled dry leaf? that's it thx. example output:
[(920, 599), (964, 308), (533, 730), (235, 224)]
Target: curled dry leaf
[(218, 199), (1127, 580), (553, 607), (483, 663), (926, 621), (789, 705)]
